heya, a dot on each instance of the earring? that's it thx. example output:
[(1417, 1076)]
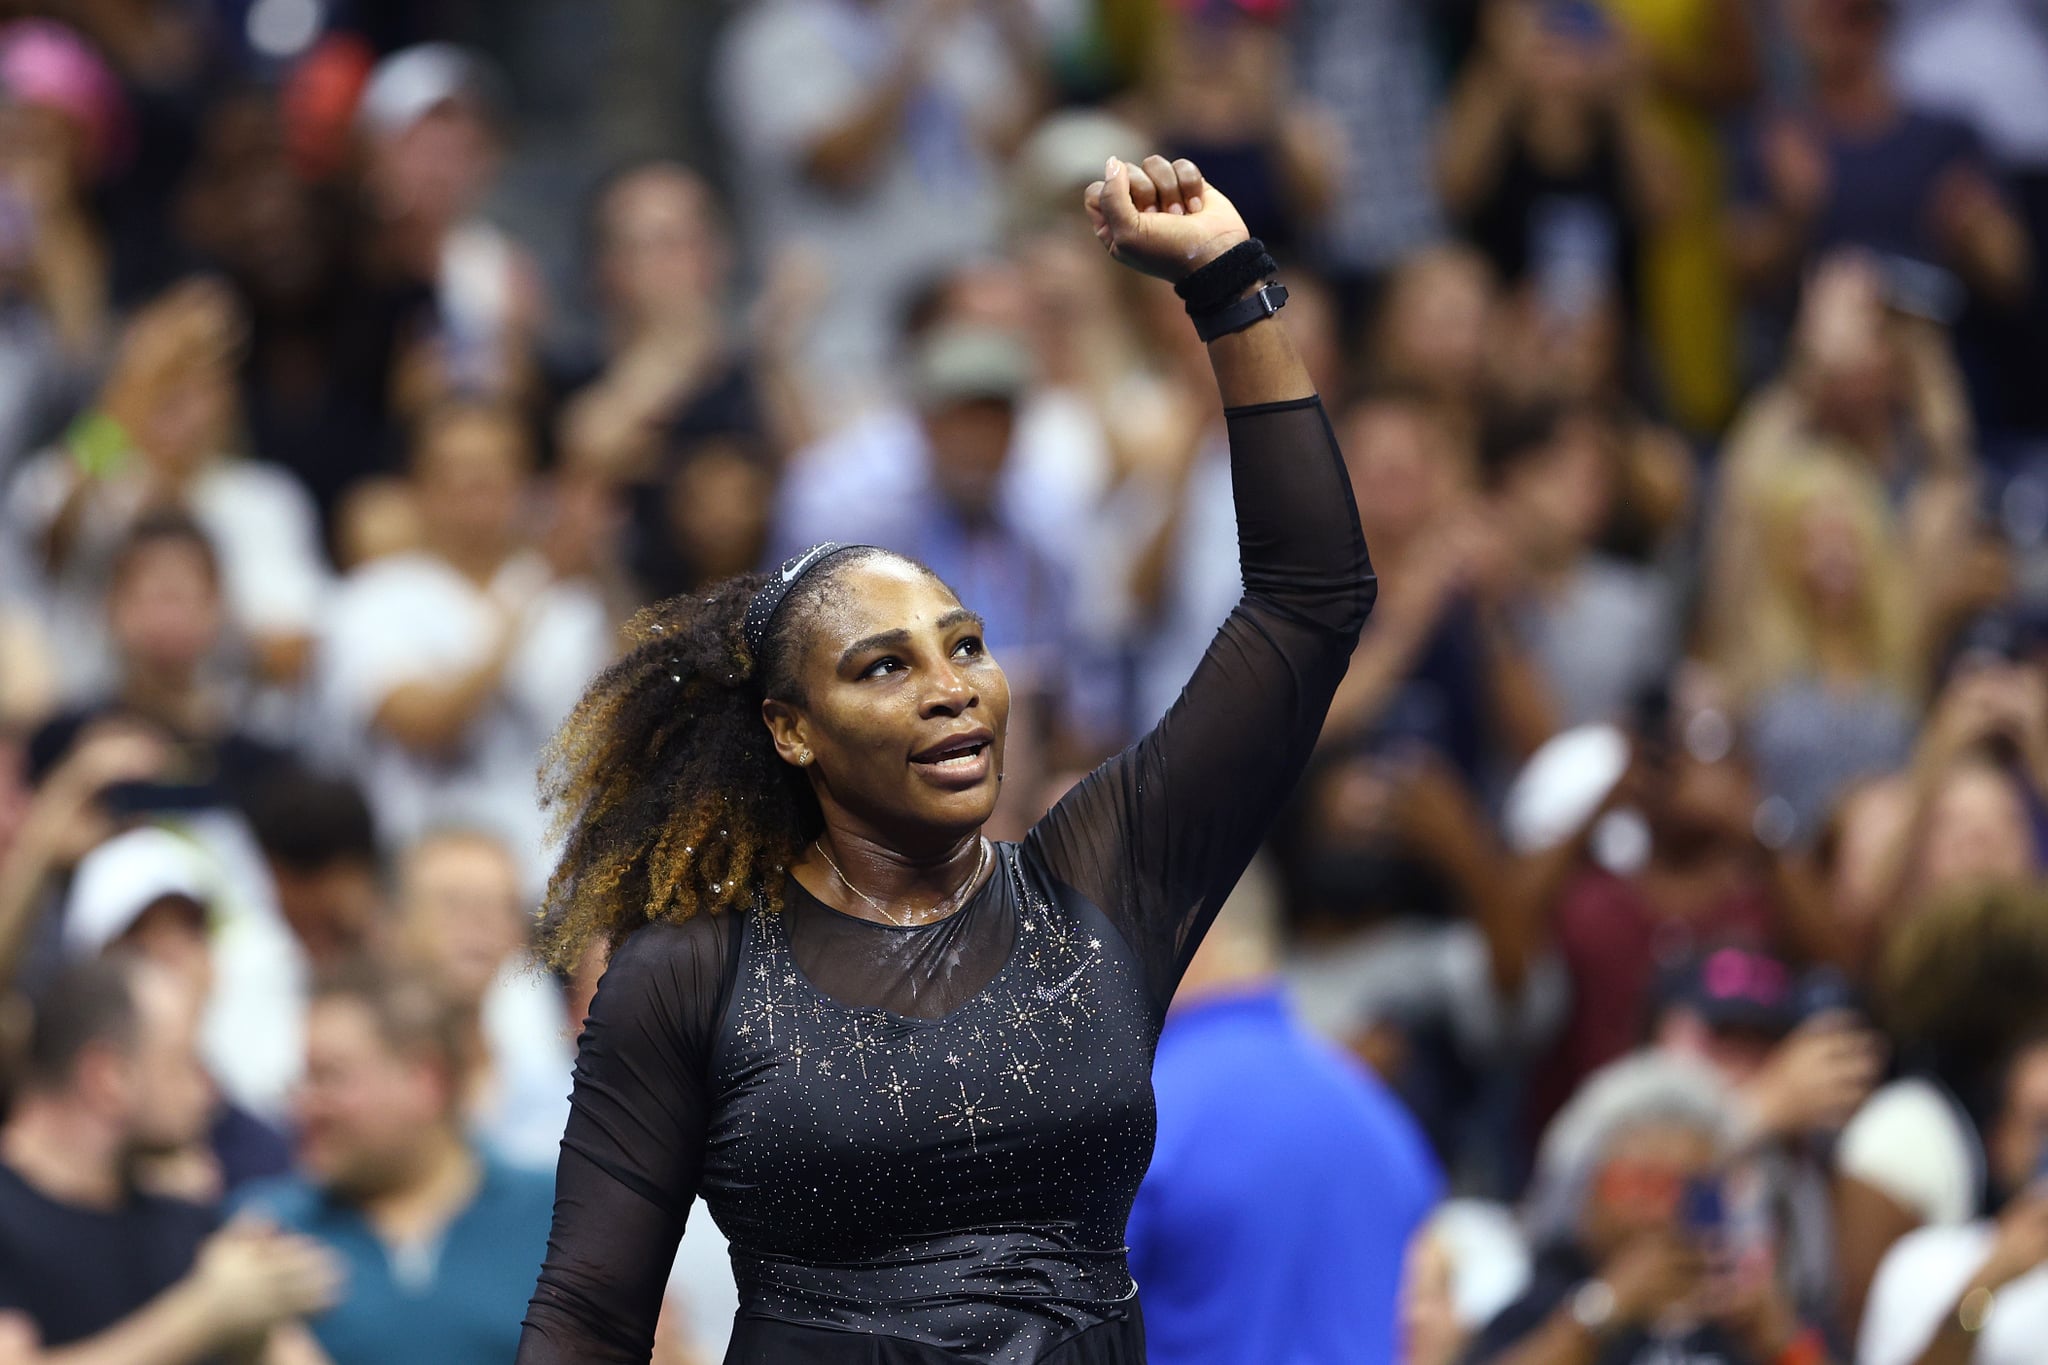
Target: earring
[(803, 760)]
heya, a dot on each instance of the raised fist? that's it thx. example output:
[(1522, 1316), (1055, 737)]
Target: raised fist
[(1162, 218)]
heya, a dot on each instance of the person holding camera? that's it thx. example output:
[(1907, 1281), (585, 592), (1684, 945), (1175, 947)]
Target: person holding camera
[(1643, 1260)]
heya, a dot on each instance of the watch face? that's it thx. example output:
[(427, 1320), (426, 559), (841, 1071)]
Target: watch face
[(1593, 1305)]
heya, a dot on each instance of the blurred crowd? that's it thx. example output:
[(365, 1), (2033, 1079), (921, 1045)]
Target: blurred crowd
[(1675, 850)]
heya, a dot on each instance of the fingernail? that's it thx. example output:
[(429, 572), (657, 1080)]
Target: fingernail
[(1109, 168)]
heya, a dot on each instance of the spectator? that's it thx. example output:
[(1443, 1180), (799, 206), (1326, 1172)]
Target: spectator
[(165, 619), (1976, 1294), (1434, 332), (57, 130), (1622, 1255), (314, 376), (1551, 161), (678, 413), (439, 1240), (1223, 94), (153, 894), (1688, 862), (1960, 988), (1797, 1062), (1859, 166), (459, 305), (159, 439), (1827, 657), (881, 158), (1439, 663), (462, 918), (1595, 625), (127, 1277), (1702, 62), (445, 671), (319, 841), (1370, 67), (1252, 1237)]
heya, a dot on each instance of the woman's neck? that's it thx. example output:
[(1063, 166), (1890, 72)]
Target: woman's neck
[(856, 872)]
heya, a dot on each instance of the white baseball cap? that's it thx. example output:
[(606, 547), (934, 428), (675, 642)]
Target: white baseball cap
[(126, 875), (410, 83)]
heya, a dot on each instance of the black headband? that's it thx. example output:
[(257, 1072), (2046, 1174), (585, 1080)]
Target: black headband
[(761, 611)]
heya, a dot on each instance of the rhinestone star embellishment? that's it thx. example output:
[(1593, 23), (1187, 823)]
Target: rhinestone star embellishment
[(971, 1115), (898, 1090), (1022, 1071)]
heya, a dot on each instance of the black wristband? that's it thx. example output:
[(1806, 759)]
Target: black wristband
[(1223, 281)]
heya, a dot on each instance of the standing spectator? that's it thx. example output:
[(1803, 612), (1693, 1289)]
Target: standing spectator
[(447, 669), (463, 919), (461, 304), (127, 1277), (1860, 166), (1551, 161), (678, 414), (1977, 1294), (881, 156), (1286, 1181), (161, 438), (441, 1243), (1223, 94)]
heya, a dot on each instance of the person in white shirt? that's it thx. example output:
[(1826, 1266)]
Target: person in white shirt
[(444, 671), (1977, 1293), (158, 440)]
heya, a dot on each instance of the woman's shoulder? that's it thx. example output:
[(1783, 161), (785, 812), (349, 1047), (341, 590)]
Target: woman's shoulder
[(687, 953)]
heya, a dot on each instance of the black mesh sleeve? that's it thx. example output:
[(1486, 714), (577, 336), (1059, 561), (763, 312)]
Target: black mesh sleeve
[(633, 1150), (1159, 835)]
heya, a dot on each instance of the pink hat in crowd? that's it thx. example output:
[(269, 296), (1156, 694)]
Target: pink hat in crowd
[(45, 64)]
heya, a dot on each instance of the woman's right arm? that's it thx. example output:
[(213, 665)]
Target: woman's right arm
[(633, 1150)]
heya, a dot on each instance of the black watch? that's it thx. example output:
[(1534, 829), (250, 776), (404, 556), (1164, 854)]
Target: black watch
[(1235, 317)]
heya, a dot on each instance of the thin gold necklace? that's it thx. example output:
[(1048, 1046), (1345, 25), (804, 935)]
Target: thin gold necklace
[(950, 904)]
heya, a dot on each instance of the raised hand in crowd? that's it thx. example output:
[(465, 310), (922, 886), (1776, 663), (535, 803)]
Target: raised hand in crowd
[(1816, 1079)]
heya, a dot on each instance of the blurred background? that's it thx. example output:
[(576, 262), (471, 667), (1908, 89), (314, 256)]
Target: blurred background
[(364, 365)]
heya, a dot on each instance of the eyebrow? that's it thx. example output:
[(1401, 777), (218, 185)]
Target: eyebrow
[(898, 639)]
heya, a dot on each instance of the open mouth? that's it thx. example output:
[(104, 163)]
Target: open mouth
[(960, 755)]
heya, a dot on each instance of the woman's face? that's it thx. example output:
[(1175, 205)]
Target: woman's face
[(1978, 832), (902, 709), (1831, 559)]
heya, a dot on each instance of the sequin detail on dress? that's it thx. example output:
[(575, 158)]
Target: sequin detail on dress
[(963, 1181)]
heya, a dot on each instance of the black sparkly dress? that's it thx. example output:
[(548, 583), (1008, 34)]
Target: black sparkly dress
[(922, 1143)]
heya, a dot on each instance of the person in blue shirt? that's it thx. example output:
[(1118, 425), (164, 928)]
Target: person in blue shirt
[(440, 1242), (1286, 1182)]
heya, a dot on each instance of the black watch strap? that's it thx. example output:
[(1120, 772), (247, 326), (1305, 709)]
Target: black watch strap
[(1267, 300)]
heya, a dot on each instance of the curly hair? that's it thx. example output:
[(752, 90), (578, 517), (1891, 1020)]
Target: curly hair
[(663, 786)]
